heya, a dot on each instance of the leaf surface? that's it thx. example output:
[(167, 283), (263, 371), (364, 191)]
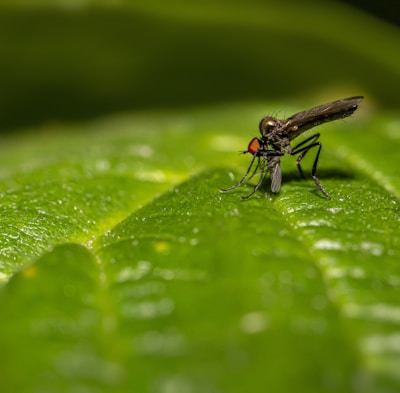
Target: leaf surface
[(131, 271)]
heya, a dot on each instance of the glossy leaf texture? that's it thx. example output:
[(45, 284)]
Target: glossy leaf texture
[(124, 268)]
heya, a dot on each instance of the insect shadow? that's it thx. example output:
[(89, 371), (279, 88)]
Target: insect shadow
[(293, 176), (330, 173)]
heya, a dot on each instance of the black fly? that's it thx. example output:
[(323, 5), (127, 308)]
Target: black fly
[(275, 142)]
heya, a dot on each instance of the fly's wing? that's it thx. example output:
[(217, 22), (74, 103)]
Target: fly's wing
[(276, 175), (302, 121)]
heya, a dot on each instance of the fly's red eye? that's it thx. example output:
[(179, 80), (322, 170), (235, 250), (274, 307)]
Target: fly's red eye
[(254, 146)]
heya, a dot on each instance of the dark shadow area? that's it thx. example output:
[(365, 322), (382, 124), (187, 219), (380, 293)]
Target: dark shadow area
[(323, 174), (294, 176), (387, 10), (69, 66), (330, 173)]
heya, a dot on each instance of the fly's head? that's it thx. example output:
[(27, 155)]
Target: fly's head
[(267, 126)]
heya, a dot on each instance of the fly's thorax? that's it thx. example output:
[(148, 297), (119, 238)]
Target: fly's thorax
[(273, 133), (278, 143)]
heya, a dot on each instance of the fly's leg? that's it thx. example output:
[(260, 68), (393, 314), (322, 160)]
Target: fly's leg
[(262, 156), (254, 172), (303, 150), (246, 176), (258, 185), (264, 165), (297, 149)]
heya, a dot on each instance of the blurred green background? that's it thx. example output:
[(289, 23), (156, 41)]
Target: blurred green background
[(71, 60)]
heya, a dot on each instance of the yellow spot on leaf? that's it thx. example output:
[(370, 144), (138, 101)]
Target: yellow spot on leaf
[(30, 272), (161, 246)]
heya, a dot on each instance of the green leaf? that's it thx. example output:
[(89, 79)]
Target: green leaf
[(131, 272)]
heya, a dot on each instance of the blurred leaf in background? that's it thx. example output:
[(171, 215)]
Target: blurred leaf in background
[(68, 60)]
